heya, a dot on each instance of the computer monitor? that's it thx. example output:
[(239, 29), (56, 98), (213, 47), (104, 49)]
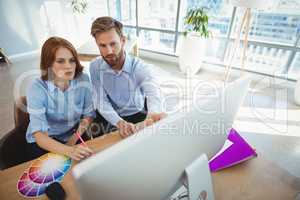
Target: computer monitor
[(150, 164)]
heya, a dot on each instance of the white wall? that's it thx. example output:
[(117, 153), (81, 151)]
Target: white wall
[(25, 25)]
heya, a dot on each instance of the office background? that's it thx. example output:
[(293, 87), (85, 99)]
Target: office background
[(274, 44)]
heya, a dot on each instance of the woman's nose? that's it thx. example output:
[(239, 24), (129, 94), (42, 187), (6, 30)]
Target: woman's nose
[(69, 65)]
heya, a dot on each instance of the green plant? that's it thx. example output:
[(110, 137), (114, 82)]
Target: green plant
[(197, 21), (79, 6)]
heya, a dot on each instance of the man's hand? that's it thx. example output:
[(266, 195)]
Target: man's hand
[(156, 116), (150, 119), (141, 125), (125, 128)]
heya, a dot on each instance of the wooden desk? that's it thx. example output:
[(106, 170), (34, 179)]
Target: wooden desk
[(256, 179), (9, 177)]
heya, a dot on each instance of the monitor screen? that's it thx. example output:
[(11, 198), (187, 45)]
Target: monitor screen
[(149, 165)]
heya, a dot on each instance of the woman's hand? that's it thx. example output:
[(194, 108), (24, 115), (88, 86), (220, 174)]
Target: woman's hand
[(79, 152)]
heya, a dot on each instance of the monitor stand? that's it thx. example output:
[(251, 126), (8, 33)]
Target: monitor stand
[(198, 180)]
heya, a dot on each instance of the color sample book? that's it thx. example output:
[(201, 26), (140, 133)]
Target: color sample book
[(43, 171)]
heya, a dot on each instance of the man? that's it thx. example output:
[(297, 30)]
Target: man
[(122, 84)]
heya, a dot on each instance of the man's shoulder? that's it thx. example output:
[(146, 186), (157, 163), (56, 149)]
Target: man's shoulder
[(136, 60), (137, 63), (139, 66), (97, 64)]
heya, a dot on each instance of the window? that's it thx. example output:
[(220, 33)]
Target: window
[(123, 10), (98, 9), (219, 14), (262, 59), (274, 35), (157, 14), (295, 68), (157, 41), (271, 27), (129, 32)]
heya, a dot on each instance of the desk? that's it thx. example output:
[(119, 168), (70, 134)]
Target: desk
[(256, 179)]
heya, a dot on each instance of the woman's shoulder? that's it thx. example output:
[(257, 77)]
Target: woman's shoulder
[(38, 87), (38, 84)]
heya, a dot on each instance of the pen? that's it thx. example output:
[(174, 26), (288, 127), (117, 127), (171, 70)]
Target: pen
[(80, 138)]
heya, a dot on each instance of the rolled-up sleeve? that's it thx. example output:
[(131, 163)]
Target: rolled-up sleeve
[(36, 97)]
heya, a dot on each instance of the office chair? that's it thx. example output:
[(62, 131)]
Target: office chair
[(13, 144)]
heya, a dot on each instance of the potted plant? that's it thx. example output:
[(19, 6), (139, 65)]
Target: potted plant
[(194, 43), (79, 6)]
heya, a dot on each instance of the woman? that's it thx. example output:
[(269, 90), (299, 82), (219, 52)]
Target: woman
[(59, 103)]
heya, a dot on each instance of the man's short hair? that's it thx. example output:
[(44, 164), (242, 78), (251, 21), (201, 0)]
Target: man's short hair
[(103, 24)]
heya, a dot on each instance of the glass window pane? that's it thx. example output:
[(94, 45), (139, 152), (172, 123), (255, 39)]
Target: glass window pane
[(261, 59), (123, 10), (96, 8), (157, 13), (219, 14), (129, 32), (270, 27), (295, 67), (157, 41)]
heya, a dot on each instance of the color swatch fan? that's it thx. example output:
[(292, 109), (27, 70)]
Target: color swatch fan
[(49, 168), (45, 170), (28, 188), (234, 151)]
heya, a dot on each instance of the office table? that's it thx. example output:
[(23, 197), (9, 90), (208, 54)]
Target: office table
[(256, 179)]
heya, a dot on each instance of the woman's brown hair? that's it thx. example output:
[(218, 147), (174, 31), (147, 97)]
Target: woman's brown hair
[(49, 49)]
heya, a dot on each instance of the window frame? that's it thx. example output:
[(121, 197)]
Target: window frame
[(285, 69)]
